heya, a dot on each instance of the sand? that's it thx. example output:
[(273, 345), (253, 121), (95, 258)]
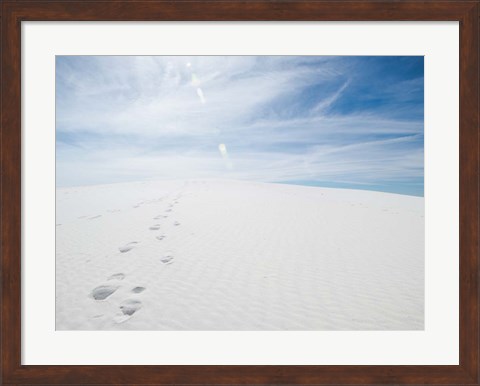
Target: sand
[(233, 255)]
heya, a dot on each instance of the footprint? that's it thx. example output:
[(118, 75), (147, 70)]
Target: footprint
[(167, 259), (158, 217), (168, 210), (117, 276), (128, 308), (138, 290), (176, 223), (127, 247), (94, 217), (270, 276), (155, 227), (160, 237), (103, 292)]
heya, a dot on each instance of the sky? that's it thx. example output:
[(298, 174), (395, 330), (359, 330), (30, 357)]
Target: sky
[(346, 122)]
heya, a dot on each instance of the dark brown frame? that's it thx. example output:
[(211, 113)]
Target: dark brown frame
[(12, 12)]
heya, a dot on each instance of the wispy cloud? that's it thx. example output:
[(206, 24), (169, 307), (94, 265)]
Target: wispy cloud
[(315, 120)]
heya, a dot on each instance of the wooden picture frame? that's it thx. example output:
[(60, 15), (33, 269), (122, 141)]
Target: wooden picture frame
[(13, 12)]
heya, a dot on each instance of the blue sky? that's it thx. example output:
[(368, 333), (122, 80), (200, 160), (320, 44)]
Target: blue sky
[(349, 122)]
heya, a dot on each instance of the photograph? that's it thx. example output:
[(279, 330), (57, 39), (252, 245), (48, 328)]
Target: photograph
[(239, 193)]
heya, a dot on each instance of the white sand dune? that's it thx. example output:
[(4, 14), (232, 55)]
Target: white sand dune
[(231, 255)]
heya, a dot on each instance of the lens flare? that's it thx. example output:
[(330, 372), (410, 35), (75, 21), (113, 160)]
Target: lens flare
[(195, 81), (200, 95), (223, 149)]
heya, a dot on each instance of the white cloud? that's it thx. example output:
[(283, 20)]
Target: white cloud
[(131, 118)]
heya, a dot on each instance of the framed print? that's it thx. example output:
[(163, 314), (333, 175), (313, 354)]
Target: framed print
[(267, 289), (239, 193)]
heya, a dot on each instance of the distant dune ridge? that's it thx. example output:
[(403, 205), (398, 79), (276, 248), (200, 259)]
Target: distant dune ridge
[(235, 255)]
